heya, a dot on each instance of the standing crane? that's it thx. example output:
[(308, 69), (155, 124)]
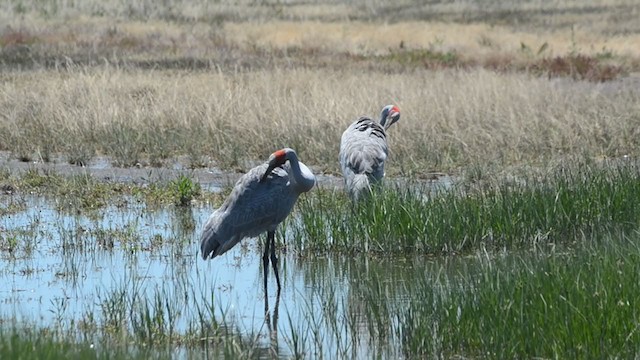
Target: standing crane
[(260, 200), (363, 151)]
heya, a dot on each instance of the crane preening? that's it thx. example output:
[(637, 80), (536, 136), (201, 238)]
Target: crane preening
[(260, 200), (363, 151)]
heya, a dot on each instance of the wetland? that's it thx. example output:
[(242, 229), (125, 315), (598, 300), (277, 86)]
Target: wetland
[(508, 226), (436, 268)]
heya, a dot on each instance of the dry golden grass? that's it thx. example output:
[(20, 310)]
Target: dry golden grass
[(196, 28), (449, 118), (470, 40), (94, 78)]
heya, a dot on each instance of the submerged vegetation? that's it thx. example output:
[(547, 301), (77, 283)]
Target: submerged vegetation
[(86, 192)]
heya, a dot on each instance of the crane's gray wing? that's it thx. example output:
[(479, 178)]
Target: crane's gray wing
[(364, 149), (252, 207)]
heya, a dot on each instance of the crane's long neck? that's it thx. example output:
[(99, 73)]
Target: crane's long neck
[(383, 120), (301, 174)]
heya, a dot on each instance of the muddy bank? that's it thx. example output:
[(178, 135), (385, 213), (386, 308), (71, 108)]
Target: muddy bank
[(211, 178)]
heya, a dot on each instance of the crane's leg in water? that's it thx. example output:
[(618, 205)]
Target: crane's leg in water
[(265, 269), (265, 262), (271, 235), (272, 322)]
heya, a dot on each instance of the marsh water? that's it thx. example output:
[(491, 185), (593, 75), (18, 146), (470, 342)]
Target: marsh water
[(62, 267)]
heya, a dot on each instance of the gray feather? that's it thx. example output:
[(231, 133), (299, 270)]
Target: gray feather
[(252, 208), (363, 152)]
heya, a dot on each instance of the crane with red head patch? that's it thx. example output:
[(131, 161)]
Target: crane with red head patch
[(260, 200), (364, 150)]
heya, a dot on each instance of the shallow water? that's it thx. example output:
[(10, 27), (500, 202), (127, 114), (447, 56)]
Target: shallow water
[(60, 268)]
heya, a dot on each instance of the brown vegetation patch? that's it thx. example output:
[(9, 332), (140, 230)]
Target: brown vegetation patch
[(578, 67), (15, 45), (574, 66), (15, 37)]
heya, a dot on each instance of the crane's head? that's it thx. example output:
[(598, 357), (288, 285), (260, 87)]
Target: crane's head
[(276, 159), (389, 115)]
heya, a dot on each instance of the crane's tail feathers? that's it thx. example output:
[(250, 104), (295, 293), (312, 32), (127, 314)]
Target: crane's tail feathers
[(359, 186), (212, 244), (206, 249), (209, 245)]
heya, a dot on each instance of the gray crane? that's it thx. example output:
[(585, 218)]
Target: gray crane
[(363, 151), (260, 200)]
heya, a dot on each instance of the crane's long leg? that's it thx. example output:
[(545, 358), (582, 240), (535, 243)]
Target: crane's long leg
[(272, 322), (274, 260), (274, 330), (265, 262), (267, 315)]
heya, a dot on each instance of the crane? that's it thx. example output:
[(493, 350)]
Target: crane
[(363, 151), (260, 200)]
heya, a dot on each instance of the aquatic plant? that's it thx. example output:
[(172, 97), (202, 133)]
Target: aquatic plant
[(569, 303), (185, 190)]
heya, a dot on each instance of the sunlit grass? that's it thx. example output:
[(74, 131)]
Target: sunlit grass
[(234, 120), (525, 212), (18, 341), (182, 29), (226, 84)]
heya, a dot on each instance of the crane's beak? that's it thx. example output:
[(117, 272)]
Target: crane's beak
[(273, 162), (394, 113), (269, 170), (276, 159)]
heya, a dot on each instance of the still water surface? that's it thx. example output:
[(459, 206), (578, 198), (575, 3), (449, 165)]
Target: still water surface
[(67, 266)]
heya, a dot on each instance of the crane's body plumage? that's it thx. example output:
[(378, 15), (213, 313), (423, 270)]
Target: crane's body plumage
[(260, 200), (252, 208), (364, 150)]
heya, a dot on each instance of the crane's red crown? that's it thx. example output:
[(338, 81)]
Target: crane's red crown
[(280, 155), (395, 109)]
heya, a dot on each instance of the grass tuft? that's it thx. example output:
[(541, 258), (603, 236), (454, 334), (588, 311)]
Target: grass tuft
[(185, 190)]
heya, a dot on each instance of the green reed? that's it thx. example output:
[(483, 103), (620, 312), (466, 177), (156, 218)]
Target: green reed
[(523, 212), (18, 341), (559, 305), (553, 303), (185, 190)]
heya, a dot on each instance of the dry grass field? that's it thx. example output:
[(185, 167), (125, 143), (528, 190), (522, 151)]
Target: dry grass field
[(478, 83)]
